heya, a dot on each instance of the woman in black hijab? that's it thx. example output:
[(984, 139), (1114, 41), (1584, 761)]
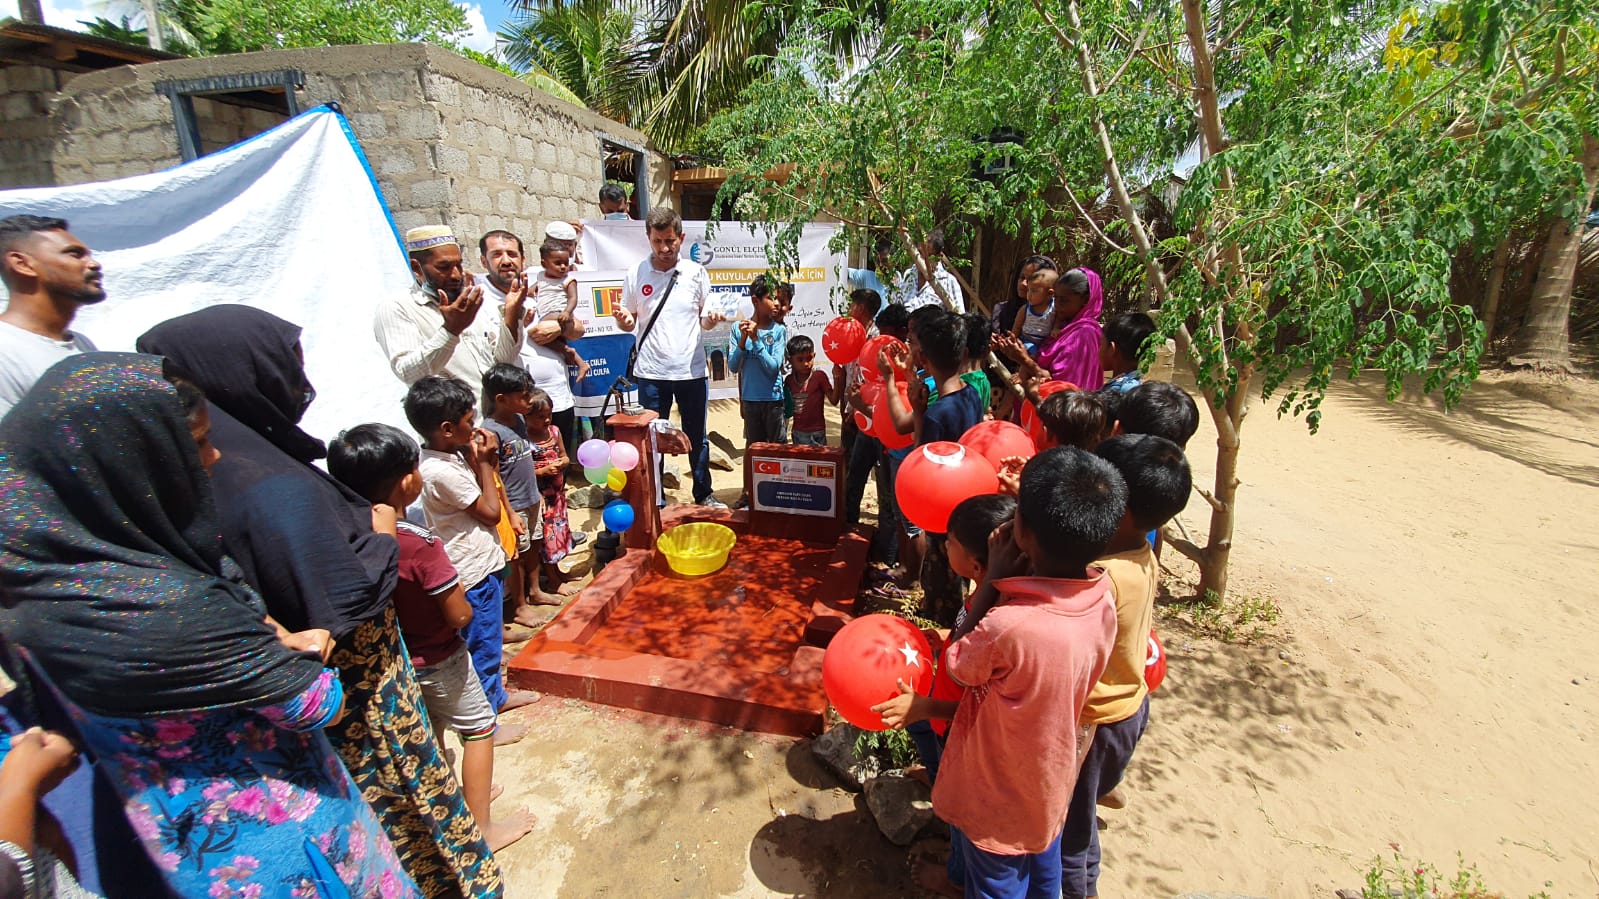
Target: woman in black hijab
[(115, 593), (306, 542)]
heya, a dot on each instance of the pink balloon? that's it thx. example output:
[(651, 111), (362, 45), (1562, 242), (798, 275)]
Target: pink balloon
[(624, 455)]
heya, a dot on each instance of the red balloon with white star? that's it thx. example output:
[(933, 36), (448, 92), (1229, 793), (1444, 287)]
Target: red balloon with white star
[(866, 659), (842, 340)]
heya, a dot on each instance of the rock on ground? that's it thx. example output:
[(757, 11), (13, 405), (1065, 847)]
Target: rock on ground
[(902, 806), (835, 749)]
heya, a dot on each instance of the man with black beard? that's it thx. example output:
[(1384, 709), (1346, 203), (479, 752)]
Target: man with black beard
[(50, 273), (435, 328)]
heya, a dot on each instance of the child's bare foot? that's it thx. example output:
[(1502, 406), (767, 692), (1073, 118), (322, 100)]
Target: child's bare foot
[(1114, 799), (517, 632), (568, 588), (506, 734), (528, 617), (515, 699), (541, 598), (582, 368), (934, 877), (503, 831)]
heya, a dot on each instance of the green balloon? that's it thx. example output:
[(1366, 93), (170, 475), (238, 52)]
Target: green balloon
[(597, 475)]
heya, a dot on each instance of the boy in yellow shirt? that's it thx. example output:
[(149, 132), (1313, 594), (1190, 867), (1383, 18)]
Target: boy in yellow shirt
[(1158, 482)]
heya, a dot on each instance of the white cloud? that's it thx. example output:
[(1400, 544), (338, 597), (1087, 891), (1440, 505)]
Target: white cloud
[(478, 37), (73, 13)]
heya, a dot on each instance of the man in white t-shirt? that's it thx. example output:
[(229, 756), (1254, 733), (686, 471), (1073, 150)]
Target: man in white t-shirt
[(671, 349), (914, 291), (50, 273)]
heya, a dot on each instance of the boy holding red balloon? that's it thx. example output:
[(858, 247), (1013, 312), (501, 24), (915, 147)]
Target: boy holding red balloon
[(938, 346), (1158, 482), (1029, 662)]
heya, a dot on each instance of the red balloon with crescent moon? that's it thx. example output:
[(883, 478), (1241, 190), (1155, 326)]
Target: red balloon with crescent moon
[(937, 477), (996, 440), (865, 661), (1155, 664), (842, 340)]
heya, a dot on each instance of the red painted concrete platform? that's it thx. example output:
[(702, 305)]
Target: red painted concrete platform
[(741, 647)]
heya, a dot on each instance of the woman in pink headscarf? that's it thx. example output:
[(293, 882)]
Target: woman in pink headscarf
[(1073, 355)]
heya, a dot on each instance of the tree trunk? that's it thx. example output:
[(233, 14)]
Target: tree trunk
[(1544, 340), (1217, 554), (30, 12), (1496, 287)]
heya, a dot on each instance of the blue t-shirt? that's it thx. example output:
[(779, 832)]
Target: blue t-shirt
[(760, 365), (1126, 381), (953, 414), (517, 471)]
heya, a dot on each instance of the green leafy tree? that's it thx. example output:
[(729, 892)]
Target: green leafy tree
[(210, 27), (1314, 238)]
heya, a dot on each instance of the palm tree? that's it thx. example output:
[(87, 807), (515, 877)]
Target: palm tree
[(590, 52), (674, 63)]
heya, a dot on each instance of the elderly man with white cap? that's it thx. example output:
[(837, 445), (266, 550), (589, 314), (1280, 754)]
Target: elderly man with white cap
[(435, 328)]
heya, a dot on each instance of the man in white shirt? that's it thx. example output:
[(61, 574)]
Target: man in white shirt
[(502, 257), (50, 273), (914, 291), (671, 348), (435, 328)]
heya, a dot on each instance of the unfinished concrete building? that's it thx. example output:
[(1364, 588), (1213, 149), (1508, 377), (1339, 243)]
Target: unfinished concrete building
[(448, 140)]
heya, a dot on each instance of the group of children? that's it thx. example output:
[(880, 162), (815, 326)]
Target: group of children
[(783, 396), (1041, 697), (493, 499)]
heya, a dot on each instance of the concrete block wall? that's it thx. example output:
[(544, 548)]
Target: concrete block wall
[(448, 140), (27, 134)]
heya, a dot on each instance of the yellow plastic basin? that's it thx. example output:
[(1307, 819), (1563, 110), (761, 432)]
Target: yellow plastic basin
[(697, 548)]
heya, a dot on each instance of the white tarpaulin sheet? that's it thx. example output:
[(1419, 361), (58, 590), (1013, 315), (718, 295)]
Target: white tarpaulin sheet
[(733, 258), (289, 221)]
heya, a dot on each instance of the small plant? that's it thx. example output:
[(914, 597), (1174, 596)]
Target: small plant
[(1398, 879), (1237, 619), (892, 747)]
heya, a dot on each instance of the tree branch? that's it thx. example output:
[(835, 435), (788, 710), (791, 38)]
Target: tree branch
[(1183, 545), (1210, 498), (1131, 55)]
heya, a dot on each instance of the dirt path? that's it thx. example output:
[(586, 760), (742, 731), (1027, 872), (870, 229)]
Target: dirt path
[(1430, 684)]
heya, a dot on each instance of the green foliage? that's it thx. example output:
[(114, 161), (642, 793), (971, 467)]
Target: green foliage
[(210, 27), (894, 748), (1398, 879), (236, 26), (493, 62), (1232, 619), (589, 52), (665, 67)]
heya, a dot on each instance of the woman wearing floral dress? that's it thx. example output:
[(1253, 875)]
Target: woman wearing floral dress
[(306, 543), (119, 600), (549, 458)]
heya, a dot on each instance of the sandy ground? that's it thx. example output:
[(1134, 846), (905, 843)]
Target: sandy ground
[(1430, 684)]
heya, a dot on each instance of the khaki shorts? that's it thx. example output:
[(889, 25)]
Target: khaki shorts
[(454, 697), (533, 524)]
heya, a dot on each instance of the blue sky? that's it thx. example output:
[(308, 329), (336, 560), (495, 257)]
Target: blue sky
[(484, 16)]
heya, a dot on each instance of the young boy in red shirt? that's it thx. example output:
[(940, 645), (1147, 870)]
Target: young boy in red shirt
[(380, 463), (1029, 661), (812, 393)]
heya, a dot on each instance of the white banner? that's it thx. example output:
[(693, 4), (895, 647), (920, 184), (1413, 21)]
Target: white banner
[(289, 221), (733, 258)]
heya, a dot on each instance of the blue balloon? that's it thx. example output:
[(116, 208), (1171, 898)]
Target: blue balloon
[(618, 515)]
